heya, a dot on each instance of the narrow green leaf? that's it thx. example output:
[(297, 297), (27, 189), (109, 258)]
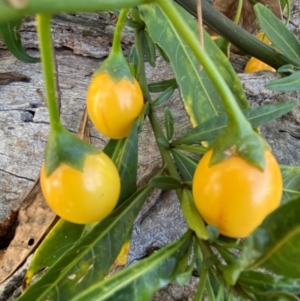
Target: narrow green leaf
[(262, 282), (149, 48), (90, 258), (169, 123), (134, 24), (60, 239), (162, 85), (164, 96), (165, 183), (184, 277), (275, 244), (288, 83), (12, 39), (163, 54), (185, 164), (141, 280), (192, 215), (113, 148), (288, 69), (291, 182), (275, 296), (278, 34), (164, 142), (257, 116), (133, 60), (197, 90), (195, 149), (126, 162)]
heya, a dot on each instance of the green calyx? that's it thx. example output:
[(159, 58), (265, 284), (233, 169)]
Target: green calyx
[(244, 142), (64, 147), (116, 67)]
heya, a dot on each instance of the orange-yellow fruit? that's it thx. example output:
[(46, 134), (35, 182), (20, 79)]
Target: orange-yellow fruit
[(113, 107), (255, 65), (86, 196), (235, 196)]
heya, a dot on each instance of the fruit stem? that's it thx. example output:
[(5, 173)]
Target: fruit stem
[(46, 50), (234, 112), (116, 46)]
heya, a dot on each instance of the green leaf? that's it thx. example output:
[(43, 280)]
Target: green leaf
[(12, 39), (141, 280), (164, 96), (275, 296), (165, 183), (275, 244), (148, 48), (169, 123), (192, 215), (184, 277), (257, 116), (195, 149), (133, 60), (262, 282), (60, 239), (113, 148), (197, 90), (288, 69), (291, 182), (162, 85), (90, 258), (163, 142), (163, 54), (278, 34), (126, 160), (288, 83), (185, 164)]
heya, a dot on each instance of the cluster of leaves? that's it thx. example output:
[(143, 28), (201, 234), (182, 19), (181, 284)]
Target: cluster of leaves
[(80, 257)]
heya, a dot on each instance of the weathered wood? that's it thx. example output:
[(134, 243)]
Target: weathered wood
[(80, 41)]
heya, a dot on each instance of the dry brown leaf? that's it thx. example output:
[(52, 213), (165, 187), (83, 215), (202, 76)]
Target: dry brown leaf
[(247, 18), (35, 219)]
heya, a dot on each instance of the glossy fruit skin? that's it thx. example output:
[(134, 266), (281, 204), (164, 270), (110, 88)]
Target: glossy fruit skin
[(113, 107), (234, 196), (86, 196), (255, 65), (261, 36)]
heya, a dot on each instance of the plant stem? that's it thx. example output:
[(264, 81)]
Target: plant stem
[(46, 50), (141, 76), (234, 112), (236, 35), (116, 46), (32, 7), (238, 12)]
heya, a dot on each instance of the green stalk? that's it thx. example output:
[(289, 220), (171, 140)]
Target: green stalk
[(235, 114), (238, 12), (31, 7), (141, 76), (116, 46), (46, 50)]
